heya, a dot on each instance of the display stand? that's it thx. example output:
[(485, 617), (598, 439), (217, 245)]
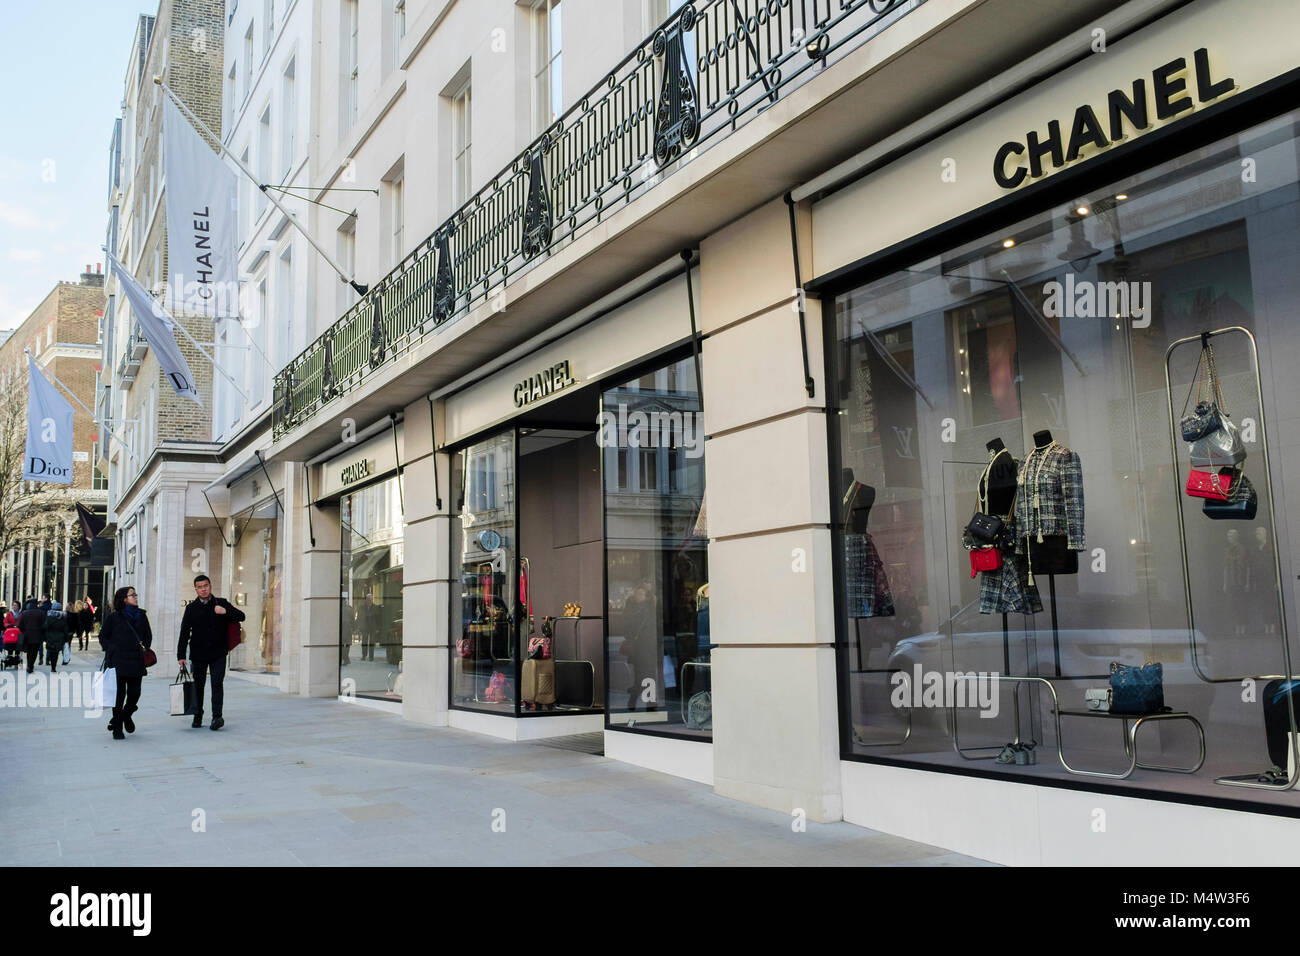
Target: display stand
[(1251, 780), (577, 661)]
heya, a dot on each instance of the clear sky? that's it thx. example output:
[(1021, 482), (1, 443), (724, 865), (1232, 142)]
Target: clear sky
[(62, 66)]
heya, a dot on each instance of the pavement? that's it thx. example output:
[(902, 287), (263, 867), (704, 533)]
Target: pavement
[(294, 781)]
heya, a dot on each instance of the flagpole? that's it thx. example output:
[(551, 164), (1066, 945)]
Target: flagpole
[(360, 289), (233, 383), (73, 395)]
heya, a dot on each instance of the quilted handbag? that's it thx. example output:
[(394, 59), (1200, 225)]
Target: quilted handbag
[(1242, 503), (1137, 690), (985, 559), (1219, 448), (984, 528), (1210, 484), (1205, 418)]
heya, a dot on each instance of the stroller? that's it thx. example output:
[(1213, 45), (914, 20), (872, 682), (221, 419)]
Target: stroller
[(12, 637)]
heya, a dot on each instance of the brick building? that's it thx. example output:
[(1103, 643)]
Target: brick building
[(62, 334)]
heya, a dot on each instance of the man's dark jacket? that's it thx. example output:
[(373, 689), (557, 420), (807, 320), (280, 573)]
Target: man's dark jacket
[(202, 624), (32, 623)]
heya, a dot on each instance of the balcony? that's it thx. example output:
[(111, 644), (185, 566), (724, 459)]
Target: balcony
[(714, 65)]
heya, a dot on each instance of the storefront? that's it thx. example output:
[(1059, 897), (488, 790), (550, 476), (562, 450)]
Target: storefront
[(578, 541), (1022, 340), (364, 485), (256, 572)]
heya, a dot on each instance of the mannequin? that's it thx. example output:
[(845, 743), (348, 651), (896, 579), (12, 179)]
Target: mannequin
[(1050, 503), (866, 583), (1005, 590)]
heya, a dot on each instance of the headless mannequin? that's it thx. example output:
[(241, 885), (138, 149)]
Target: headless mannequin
[(1052, 555), (1000, 490), (860, 506)]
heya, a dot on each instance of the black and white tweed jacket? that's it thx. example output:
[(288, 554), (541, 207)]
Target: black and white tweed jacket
[(1049, 499)]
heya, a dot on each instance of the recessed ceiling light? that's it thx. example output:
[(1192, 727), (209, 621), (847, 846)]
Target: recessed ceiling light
[(1008, 243), (1121, 196), (1082, 210)]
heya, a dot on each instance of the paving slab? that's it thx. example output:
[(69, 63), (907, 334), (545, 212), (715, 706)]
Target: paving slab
[(295, 781)]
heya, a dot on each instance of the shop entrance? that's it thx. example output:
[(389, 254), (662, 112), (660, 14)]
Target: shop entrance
[(529, 540)]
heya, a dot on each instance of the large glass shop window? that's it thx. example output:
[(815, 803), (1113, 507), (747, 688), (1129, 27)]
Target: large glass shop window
[(656, 553), (370, 609), (258, 583), (483, 556), (1031, 561)]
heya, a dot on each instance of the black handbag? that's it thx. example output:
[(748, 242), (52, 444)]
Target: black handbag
[(1242, 503), (988, 529), (1137, 690)]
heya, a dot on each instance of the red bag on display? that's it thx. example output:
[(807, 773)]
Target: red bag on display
[(985, 559), (1208, 484)]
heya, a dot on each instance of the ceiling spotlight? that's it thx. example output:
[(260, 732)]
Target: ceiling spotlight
[(1121, 196), (1082, 210), (1008, 243)]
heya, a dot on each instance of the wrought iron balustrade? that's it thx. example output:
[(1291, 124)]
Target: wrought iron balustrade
[(709, 68)]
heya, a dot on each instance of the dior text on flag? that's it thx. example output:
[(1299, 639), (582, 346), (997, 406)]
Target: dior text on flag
[(49, 431), (159, 330), (202, 215)]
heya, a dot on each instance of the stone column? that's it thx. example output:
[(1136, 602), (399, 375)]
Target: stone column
[(166, 571), (316, 602), (67, 558), (427, 573), (775, 713)]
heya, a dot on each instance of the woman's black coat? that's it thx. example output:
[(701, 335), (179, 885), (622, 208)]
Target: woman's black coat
[(122, 645)]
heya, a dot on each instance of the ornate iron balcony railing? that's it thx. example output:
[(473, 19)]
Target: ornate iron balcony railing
[(710, 67)]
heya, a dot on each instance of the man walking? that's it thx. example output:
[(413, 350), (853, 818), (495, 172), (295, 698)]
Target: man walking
[(206, 621)]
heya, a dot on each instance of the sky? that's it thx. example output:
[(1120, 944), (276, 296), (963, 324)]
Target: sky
[(62, 67)]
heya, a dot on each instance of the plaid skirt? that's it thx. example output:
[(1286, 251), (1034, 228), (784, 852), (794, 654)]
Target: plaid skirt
[(866, 583), (1008, 589)]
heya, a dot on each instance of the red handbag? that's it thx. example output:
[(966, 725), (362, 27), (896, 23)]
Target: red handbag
[(985, 559), (234, 635), (1209, 484)]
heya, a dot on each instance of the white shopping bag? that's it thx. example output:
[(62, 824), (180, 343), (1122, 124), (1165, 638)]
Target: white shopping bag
[(108, 689), (67, 653), (182, 694)]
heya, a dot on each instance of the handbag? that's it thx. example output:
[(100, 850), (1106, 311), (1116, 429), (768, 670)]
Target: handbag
[(150, 658), (234, 635), (1137, 690), (1210, 484), (985, 559), (1242, 503), (182, 694), (465, 647), (67, 653), (1214, 439), (539, 648)]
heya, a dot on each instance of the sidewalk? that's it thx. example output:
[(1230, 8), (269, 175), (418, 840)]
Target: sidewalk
[(293, 781)]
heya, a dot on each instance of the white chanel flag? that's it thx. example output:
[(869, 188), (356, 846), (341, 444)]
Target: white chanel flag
[(202, 222), (159, 330)]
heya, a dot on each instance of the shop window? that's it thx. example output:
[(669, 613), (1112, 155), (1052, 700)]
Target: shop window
[(257, 584), (1031, 363), (370, 592), (656, 558)]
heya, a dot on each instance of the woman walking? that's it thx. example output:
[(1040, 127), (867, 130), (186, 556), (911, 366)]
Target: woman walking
[(87, 621), (124, 636), (56, 634), (32, 623)]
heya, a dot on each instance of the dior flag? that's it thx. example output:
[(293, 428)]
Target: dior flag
[(202, 222), (49, 431), (159, 330)]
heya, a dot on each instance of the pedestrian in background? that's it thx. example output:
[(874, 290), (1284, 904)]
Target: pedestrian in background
[(87, 621), (32, 623), (56, 634), (205, 623), (124, 636)]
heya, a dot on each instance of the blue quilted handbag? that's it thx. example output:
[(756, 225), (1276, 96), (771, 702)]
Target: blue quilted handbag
[(1137, 690)]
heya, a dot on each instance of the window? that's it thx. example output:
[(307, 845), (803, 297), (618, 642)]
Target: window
[(347, 250), (244, 201), (399, 22), (248, 61), (350, 74), (263, 158), (98, 480), (548, 93), (268, 27), (288, 119), (283, 313), (461, 138), (231, 82), (396, 190)]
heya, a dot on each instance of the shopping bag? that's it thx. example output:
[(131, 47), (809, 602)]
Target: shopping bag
[(67, 653), (108, 689), (182, 694)]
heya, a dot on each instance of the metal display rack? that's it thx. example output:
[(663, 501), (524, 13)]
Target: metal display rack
[(1250, 780)]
